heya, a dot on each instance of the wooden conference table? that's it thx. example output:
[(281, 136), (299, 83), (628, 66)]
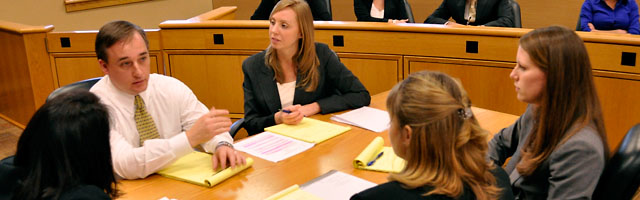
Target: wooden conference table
[(265, 178)]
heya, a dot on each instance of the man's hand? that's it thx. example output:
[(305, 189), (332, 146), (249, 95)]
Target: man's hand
[(209, 125), (224, 154)]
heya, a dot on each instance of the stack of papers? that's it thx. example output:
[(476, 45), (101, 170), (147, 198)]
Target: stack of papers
[(331, 185), (309, 130), (272, 147), (366, 117)]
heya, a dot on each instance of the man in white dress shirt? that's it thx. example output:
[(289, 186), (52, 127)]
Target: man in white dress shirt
[(156, 119)]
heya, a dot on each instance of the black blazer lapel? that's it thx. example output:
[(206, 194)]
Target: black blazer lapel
[(268, 89)]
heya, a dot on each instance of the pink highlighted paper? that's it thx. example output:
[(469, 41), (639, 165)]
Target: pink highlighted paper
[(272, 147)]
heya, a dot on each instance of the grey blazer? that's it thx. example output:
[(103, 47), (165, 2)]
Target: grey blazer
[(338, 89), (570, 172)]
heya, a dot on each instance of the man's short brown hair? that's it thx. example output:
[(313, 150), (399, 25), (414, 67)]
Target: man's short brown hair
[(113, 32)]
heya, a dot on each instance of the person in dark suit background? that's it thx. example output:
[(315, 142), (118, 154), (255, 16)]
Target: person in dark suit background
[(488, 13), (434, 130), (391, 10), (318, 9), (63, 153), (296, 77), (558, 147)]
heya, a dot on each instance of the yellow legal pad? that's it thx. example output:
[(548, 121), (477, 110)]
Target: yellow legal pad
[(309, 130), (388, 162), (293, 193), (196, 168)]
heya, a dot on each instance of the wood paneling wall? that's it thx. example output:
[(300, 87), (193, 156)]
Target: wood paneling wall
[(25, 78)]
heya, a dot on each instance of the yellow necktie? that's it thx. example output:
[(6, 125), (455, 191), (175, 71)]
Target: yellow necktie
[(144, 123), (472, 11)]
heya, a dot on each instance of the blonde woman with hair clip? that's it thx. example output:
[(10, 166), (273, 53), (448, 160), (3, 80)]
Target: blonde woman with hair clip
[(296, 77), (434, 130)]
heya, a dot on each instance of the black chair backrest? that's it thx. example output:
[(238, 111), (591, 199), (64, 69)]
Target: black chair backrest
[(517, 21), (80, 85), (621, 176), (578, 26), (235, 127), (328, 3), (407, 8)]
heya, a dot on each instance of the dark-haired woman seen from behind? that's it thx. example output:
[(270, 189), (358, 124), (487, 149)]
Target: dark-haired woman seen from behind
[(434, 130), (63, 153), (558, 147)]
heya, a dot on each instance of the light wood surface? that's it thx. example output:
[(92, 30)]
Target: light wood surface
[(378, 73), (23, 28), (487, 83), (226, 12), (266, 178), (225, 90), (25, 78), (77, 5)]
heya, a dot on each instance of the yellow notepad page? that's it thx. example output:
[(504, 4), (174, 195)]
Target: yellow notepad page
[(292, 193), (309, 130), (388, 162), (196, 168)]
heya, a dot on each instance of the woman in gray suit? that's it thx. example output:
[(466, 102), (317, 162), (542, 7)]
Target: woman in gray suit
[(558, 147), (296, 77)]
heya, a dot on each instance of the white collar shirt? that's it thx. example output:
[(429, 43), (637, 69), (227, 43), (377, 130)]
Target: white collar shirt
[(174, 109)]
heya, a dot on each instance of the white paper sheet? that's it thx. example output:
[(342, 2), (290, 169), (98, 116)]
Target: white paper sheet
[(366, 117), (272, 147), (336, 185)]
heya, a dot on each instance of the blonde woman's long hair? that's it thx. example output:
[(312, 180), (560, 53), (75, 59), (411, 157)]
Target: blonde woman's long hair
[(448, 147), (305, 59)]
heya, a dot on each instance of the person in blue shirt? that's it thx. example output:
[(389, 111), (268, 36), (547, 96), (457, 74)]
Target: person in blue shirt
[(617, 16)]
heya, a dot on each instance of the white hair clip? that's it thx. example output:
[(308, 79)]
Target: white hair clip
[(465, 113)]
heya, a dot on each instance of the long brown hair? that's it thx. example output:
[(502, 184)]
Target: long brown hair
[(569, 101), (447, 148), (305, 59)]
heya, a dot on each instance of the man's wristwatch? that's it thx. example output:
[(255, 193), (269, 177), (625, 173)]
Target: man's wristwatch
[(224, 143)]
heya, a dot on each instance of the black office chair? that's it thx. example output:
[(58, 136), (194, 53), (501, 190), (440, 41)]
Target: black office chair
[(407, 8), (328, 3), (621, 176), (235, 127), (517, 22), (80, 85)]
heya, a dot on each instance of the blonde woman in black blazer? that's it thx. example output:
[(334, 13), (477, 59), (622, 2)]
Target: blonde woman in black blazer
[(322, 83)]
